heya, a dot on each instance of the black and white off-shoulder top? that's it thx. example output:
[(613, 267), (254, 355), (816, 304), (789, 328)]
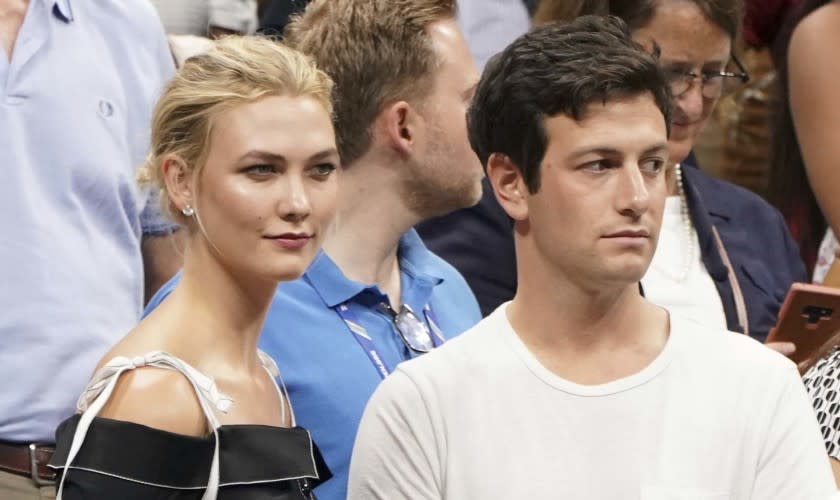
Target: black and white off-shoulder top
[(104, 458)]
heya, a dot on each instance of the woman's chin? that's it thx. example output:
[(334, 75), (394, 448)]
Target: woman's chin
[(679, 147)]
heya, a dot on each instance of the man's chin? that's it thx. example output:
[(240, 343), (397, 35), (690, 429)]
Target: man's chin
[(628, 273), (475, 195), (456, 199)]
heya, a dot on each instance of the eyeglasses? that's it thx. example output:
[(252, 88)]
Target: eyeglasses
[(714, 84), (413, 330)]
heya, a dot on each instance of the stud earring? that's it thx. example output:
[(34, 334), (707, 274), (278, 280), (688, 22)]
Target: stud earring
[(188, 211)]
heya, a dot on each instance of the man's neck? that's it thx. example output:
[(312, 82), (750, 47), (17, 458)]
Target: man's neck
[(588, 336), (371, 219), (12, 13)]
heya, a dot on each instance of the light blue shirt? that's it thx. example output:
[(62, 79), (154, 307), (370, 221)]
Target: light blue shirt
[(75, 112), (328, 375)]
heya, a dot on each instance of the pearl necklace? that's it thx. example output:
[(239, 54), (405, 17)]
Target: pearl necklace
[(688, 229)]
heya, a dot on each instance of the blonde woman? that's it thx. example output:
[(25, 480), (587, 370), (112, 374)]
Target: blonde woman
[(185, 406)]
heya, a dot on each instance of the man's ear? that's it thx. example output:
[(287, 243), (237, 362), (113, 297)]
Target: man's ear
[(402, 127), (508, 185), (179, 180)]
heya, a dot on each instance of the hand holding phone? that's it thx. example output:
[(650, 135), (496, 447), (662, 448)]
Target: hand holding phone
[(810, 318)]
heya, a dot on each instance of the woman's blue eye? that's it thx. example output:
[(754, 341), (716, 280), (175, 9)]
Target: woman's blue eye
[(261, 169)]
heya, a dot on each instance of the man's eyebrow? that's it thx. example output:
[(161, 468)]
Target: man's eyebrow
[(611, 151), (601, 150)]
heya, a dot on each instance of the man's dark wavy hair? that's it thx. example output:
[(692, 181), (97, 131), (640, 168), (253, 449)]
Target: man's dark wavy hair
[(558, 69)]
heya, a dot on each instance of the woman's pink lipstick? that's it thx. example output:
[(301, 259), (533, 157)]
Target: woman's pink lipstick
[(291, 241)]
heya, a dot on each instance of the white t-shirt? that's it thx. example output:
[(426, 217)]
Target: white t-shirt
[(714, 416), (695, 297)]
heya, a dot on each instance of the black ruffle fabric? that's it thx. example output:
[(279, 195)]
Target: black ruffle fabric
[(126, 460)]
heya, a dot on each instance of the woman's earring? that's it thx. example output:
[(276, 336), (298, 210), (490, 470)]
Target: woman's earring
[(188, 211)]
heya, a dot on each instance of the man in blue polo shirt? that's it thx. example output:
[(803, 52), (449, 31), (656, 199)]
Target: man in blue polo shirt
[(79, 80), (377, 296)]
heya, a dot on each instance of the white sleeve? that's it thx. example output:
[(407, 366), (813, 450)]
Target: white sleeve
[(396, 454), (491, 25), (793, 463), (234, 15)]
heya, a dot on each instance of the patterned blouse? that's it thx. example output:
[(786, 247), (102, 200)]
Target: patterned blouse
[(823, 384)]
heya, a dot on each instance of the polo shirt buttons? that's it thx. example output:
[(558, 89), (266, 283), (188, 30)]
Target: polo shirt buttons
[(106, 109)]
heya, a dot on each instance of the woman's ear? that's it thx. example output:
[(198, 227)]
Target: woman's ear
[(178, 179), (508, 185)]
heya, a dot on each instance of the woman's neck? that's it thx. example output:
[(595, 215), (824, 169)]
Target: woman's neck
[(671, 179), (221, 312)]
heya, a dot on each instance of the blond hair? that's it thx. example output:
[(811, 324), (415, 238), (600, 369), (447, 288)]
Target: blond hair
[(376, 51), (237, 70)]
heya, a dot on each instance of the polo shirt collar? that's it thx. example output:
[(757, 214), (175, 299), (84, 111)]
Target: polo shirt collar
[(335, 288), (63, 10), (417, 260)]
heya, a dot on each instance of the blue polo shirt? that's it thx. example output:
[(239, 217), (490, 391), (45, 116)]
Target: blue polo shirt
[(76, 100), (328, 375)]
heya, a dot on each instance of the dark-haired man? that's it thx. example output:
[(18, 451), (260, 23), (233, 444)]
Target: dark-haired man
[(579, 387)]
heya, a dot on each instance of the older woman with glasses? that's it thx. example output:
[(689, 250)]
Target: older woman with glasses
[(725, 257)]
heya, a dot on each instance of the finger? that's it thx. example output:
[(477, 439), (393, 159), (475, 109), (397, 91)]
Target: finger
[(786, 348)]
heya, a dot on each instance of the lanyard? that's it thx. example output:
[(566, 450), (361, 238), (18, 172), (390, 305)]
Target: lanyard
[(740, 303), (364, 339)]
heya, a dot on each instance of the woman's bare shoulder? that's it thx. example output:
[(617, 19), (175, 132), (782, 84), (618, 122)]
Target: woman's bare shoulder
[(816, 31), (157, 397)]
